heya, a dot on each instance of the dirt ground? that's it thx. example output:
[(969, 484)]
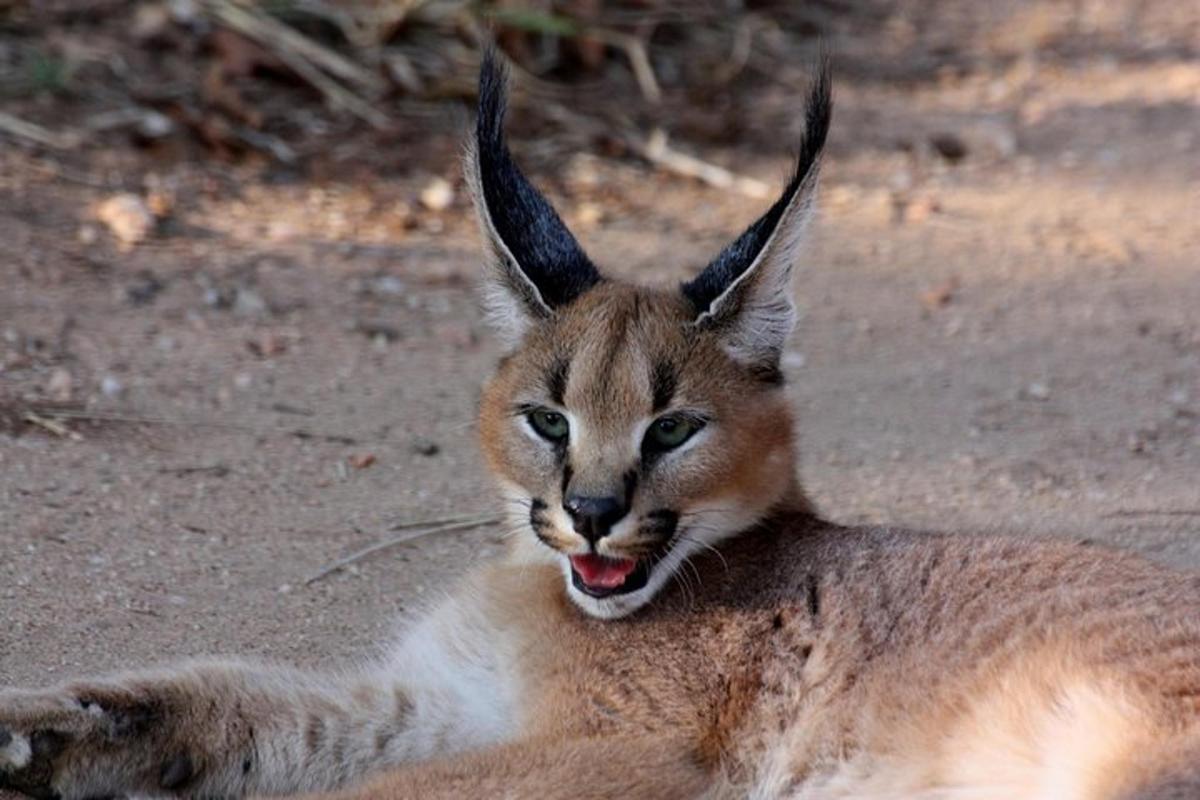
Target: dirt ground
[(1001, 331)]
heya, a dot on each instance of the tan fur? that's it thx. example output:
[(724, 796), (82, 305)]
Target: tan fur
[(780, 656)]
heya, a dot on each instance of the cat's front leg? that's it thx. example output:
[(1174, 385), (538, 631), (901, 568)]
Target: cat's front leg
[(101, 738), (214, 729)]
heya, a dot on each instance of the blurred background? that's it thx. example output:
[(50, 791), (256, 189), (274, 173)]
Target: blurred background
[(238, 339)]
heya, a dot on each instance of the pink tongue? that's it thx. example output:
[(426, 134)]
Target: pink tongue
[(607, 573)]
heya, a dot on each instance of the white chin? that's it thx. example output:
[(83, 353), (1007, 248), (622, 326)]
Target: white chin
[(621, 605)]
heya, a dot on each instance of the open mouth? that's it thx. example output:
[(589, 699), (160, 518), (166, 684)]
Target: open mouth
[(601, 576)]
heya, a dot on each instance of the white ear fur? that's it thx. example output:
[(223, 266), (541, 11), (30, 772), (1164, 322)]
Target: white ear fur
[(756, 313), (511, 300), (744, 296), (535, 263)]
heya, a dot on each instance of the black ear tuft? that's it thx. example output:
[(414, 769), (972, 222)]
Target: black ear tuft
[(742, 253), (524, 222)]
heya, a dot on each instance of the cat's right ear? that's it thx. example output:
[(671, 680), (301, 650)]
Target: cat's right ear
[(535, 266)]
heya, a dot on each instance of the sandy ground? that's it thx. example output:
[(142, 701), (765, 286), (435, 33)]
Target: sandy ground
[(1007, 340)]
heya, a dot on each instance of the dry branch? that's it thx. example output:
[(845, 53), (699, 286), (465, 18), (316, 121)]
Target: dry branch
[(639, 59), (52, 413), (656, 150), (308, 59), (416, 530), (23, 129), (51, 425), (1154, 512)]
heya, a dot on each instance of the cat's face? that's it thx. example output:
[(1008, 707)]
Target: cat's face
[(626, 441), (630, 427)]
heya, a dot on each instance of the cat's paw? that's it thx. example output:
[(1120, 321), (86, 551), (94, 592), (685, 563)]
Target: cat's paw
[(86, 742)]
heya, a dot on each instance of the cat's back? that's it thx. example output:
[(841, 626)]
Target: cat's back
[(858, 629)]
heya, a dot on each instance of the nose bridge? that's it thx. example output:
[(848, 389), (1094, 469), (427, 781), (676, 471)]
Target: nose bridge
[(600, 467), (597, 491), (607, 392)]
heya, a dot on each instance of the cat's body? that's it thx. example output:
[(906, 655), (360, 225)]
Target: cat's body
[(674, 620)]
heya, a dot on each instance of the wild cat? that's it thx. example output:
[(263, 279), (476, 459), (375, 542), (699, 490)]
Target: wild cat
[(674, 619)]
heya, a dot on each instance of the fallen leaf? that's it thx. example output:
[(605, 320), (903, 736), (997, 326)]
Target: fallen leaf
[(940, 295), (361, 460)]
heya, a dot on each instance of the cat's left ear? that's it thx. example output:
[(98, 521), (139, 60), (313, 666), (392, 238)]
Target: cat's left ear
[(745, 294), (534, 263)]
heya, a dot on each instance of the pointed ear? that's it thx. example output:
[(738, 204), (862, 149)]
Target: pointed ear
[(745, 293), (534, 263)]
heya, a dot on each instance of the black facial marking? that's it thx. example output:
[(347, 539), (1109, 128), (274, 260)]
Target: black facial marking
[(568, 473), (556, 380), (735, 259), (768, 373), (662, 384), (537, 506), (662, 522), (630, 479), (537, 522), (617, 333), (544, 249)]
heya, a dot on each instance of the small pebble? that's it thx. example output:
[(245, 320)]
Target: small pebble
[(1037, 391), (127, 217), (60, 385), (949, 146), (437, 195), (249, 303), (110, 386), (426, 447), (588, 214)]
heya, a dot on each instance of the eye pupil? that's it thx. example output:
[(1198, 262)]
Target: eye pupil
[(670, 432), (550, 425)]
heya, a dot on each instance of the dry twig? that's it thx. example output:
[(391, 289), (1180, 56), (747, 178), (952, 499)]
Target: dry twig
[(639, 59), (51, 413), (657, 151), (416, 530), (23, 129), (1154, 512), (308, 59), (52, 425)]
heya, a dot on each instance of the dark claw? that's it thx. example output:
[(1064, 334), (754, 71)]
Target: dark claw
[(176, 772), (47, 744)]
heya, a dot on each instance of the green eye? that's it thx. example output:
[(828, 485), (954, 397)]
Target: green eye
[(550, 425), (667, 433)]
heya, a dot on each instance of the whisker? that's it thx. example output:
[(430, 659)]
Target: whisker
[(685, 587), (688, 562), (700, 543)]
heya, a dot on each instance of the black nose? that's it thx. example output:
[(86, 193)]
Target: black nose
[(593, 517)]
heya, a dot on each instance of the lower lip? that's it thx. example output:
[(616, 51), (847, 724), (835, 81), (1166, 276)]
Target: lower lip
[(633, 581)]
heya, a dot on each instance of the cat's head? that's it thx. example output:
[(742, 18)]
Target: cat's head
[(632, 427)]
